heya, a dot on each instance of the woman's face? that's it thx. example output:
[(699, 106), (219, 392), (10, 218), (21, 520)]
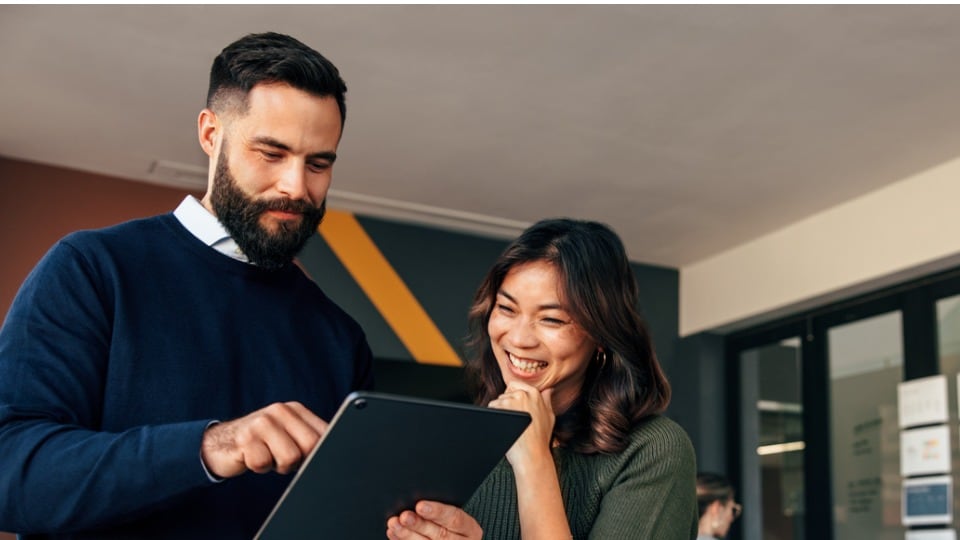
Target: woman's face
[(729, 511), (533, 336)]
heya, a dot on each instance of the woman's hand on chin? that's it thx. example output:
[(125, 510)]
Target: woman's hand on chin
[(534, 444)]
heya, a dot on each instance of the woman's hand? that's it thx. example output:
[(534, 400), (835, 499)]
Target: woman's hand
[(433, 521), (534, 443), (539, 500)]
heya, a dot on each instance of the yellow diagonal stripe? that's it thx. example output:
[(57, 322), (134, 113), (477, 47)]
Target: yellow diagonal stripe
[(371, 270)]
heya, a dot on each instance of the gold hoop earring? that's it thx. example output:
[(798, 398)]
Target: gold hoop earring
[(602, 358)]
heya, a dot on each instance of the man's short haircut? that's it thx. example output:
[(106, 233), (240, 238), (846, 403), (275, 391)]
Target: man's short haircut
[(272, 58)]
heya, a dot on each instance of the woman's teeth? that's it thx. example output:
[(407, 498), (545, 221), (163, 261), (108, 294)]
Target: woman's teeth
[(529, 366)]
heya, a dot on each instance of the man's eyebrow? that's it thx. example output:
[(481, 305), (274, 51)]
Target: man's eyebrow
[(270, 141), (274, 143), (326, 156)]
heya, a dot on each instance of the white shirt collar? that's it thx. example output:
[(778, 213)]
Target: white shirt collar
[(207, 228)]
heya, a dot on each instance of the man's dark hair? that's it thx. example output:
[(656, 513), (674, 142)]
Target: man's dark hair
[(272, 58)]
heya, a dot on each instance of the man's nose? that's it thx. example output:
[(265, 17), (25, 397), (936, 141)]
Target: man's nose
[(293, 180)]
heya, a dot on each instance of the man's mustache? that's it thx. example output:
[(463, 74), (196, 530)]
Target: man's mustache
[(284, 205)]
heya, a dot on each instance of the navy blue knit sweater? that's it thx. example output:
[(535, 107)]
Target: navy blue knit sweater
[(119, 349)]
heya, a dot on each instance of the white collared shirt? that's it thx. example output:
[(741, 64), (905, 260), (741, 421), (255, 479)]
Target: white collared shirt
[(207, 228)]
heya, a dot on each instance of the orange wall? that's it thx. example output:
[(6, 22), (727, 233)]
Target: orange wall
[(41, 204)]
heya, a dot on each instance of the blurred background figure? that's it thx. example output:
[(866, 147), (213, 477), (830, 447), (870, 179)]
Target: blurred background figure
[(718, 510)]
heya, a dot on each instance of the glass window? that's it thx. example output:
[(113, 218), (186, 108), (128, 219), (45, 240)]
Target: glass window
[(865, 361), (948, 334), (773, 461), (948, 351)]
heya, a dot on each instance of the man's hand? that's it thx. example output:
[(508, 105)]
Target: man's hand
[(434, 521), (276, 437)]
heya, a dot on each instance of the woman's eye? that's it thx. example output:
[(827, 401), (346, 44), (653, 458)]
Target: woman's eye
[(504, 309)]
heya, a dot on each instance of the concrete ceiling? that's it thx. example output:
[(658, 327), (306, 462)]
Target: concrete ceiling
[(690, 129)]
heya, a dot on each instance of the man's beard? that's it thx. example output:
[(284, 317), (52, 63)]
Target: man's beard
[(241, 214)]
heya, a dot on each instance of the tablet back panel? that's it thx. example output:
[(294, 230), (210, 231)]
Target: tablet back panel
[(383, 453)]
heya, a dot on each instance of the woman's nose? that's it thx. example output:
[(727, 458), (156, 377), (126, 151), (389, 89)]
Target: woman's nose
[(521, 334)]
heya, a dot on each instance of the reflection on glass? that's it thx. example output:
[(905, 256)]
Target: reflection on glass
[(866, 359), (948, 347), (948, 334), (774, 485)]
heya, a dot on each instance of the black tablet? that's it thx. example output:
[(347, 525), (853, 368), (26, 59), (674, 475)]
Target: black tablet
[(382, 454)]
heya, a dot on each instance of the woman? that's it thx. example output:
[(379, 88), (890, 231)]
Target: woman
[(555, 332), (717, 507)]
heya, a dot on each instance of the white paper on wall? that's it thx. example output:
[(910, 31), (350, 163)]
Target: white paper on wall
[(925, 451), (927, 501), (922, 401), (934, 534)]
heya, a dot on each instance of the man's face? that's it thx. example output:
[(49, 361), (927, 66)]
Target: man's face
[(241, 215), (273, 169)]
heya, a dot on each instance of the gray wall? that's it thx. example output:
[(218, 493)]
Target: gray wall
[(700, 398)]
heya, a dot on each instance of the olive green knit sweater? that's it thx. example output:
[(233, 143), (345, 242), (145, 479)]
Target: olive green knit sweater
[(646, 492)]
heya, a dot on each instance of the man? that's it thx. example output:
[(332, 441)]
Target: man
[(146, 368)]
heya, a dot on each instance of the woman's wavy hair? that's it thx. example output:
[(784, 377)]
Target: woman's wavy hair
[(599, 290)]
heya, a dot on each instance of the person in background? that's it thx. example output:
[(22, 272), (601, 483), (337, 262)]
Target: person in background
[(556, 332), (718, 510), (146, 368)]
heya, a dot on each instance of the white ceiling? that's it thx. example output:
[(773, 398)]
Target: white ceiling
[(690, 129)]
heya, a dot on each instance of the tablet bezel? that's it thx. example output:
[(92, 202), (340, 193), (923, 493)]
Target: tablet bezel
[(382, 453)]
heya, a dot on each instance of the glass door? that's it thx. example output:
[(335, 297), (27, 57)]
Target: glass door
[(865, 361), (772, 451), (816, 440), (948, 355), (948, 334)]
